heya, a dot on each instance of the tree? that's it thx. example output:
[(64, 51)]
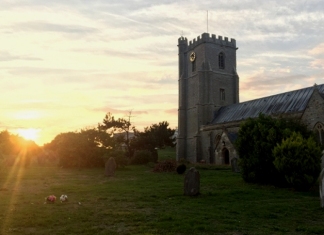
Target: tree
[(119, 128), (15, 150), (298, 159), (80, 149), (256, 140), (156, 136), (162, 135)]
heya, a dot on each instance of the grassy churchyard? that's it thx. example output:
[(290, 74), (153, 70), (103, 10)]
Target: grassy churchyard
[(138, 201)]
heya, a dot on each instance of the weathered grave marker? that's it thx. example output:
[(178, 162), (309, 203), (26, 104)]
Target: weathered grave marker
[(110, 167), (192, 182), (321, 187), (234, 165)]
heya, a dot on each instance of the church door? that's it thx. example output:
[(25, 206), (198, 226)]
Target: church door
[(225, 155)]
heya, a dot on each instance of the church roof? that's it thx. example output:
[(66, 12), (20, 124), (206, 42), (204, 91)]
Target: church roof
[(284, 103), (232, 136)]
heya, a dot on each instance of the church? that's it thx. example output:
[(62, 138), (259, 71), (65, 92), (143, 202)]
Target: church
[(209, 112)]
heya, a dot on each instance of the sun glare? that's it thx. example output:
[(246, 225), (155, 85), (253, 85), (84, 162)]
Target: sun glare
[(29, 134)]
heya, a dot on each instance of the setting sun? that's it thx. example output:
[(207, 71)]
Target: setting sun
[(29, 134)]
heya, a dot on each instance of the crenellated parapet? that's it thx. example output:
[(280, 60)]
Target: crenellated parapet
[(183, 40), (207, 38)]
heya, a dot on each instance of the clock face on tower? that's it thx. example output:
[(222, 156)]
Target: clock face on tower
[(192, 56)]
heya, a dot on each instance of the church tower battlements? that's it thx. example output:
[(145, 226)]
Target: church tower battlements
[(207, 81)]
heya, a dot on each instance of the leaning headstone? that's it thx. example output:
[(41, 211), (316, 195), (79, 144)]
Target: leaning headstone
[(234, 165), (110, 167), (192, 182), (321, 187)]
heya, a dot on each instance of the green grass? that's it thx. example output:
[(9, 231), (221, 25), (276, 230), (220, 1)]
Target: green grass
[(167, 153), (138, 201)]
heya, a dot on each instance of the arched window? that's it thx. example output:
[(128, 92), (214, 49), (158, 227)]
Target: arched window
[(319, 132), (221, 60)]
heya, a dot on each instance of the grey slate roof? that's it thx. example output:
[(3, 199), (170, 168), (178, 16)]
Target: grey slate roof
[(288, 102), (232, 136)]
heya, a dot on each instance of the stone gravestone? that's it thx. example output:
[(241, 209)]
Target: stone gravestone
[(234, 165), (322, 163), (110, 167), (192, 182), (321, 187)]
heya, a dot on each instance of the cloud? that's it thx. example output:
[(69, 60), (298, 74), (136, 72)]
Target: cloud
[(172, 111), (266, 84), (38, 26), (7, 56), (73, 61), (318, 50)]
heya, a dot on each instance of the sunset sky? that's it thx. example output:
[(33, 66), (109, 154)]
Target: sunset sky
[(65, 64)]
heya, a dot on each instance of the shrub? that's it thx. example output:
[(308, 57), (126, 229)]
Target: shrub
[(155, 155), (299, 160), (255, 144), (142, 157), (183, 161), (181, 169), (256, 140), (165, 166), (119, 156)]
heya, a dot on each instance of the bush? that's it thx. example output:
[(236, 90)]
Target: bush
[(142, 157), (165, 166), (181, 169), (255, 144), (256, 140), (299, 160), (119, 156), (77, 149)]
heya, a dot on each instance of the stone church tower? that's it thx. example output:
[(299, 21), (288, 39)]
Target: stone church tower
[(207, 81)]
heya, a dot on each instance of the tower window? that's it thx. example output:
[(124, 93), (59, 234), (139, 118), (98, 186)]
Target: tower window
[(193, 65), (221, 60), (222, 94)]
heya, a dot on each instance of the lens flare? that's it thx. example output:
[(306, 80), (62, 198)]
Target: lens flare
[(29, 133)]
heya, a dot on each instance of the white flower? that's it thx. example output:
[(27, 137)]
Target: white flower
[(64, 198)]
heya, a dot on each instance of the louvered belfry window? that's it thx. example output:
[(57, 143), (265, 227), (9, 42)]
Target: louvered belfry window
[(221, 60)]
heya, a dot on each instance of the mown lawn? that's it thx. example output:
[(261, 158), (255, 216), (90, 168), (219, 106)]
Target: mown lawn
[(167, 153), (138, 201)]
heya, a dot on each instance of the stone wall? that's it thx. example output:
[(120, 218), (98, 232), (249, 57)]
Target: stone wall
[(314, 111)]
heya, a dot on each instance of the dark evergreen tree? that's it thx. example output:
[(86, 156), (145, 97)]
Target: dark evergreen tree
[(256, 140), (156, 136)]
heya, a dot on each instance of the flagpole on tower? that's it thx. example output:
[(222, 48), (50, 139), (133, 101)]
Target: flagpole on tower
[(207, 21)]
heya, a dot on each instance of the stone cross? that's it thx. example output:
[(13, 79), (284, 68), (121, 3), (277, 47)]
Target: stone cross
[(321, 187), (192, 182), (110, 167)]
